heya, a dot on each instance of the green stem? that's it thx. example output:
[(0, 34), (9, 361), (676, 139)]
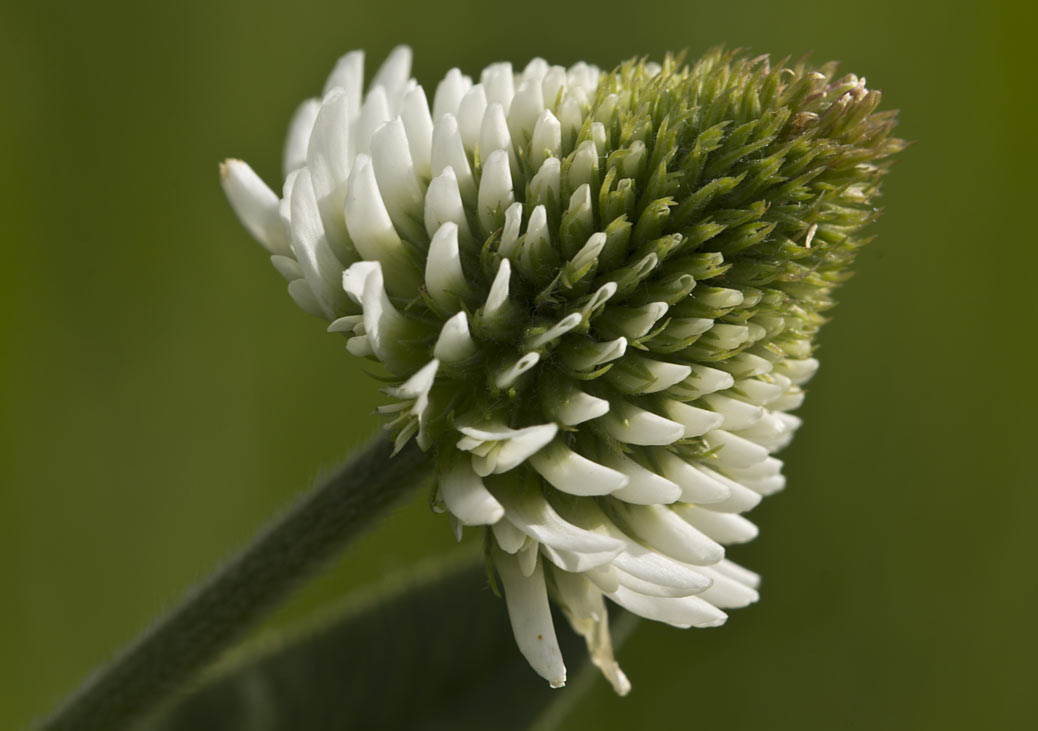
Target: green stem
[(218, 611)]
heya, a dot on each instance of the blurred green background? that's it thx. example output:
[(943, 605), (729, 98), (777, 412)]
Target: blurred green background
[(161, 396)]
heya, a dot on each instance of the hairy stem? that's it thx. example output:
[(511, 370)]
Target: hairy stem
[(239, 594)]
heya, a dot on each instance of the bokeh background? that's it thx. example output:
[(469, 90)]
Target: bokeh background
[(161, 396)]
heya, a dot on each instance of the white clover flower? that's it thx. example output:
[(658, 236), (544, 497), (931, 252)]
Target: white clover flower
[(596, 293)]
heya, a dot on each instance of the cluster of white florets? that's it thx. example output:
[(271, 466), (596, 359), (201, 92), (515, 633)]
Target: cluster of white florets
[(551, 264)]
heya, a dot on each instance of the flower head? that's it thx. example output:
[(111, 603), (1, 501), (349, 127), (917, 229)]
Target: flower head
[(596, 293)]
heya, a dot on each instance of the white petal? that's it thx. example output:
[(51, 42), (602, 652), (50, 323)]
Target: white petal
[(320, 267), (660, 527), (633, 425), (443, 204), (495, 191), (392, 76), (507, 376), (256, 206), (298, 137), (645, 487), (499, 82), (528, 611), (419, 126), (569, 406), (574, 474), (798, 371), (454, 343), (300, 293), (546, 183), (725, 592), (587, 614), (740, 498), (737, 414), (636, 322), (328, 158), (523, 444), (287, 267), (464, 494), (417, 387), (547, 139), (498, 295), (508, 537), (394, 170), (530, 512), (734, 451), (444, 278), (725, 528), (373, 233), (385, 327), (757, 392), (470, 116), (449, 93), (556, 331), (583, 169), (738, 573), (348, 75), (697, 422), (510, 233), (373, 114), (637, 374), (525, 109), (680, 612), (494, 135), (588, 355), (527, 557), (448, 152), (696, 486)]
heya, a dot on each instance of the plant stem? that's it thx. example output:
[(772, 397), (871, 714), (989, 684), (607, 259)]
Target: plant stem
[(219, 610)]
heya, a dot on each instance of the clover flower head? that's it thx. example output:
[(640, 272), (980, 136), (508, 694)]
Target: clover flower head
[(596, 294)]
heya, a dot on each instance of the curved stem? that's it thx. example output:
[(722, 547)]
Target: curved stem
[(219, 610)]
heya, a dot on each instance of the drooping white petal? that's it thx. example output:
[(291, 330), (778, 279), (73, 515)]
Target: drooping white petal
[(443, 204), (495, 191), (740, 498), (737, 414), (256, 206), (444, 278), (682, 612), (298, 138), (454, 343), (734, 451), (417, 388), (725, 528), (696, 486), (384, 326), (644, 486), (300, 293), (508, 537), (633, 425), (464, 494), (508, 448), (397, 182), (587, 614), (575, 474), (636, 322), (531, 513), (797, 371), (756, 391), (637, 374), (725, 592), (696, 421), (321, 269), (449, 92), (287, 267), (373, 233), (662, 528), (528, 611)]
